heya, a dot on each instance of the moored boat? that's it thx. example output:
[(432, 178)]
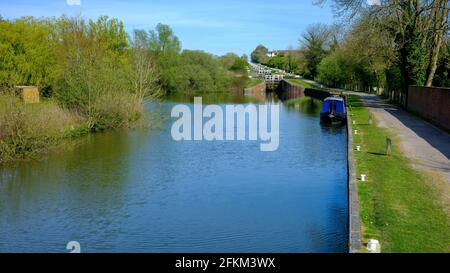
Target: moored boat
[(333, 111)]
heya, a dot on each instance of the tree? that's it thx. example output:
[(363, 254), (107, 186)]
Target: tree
[(27, 52), (315, 42), (165, 48), (417, 27), (198, 72), (280, 62), (239, 65), (290, 59), (259, 55), (163, 40), (371, 46), (336, 69), (144, 78), (228, 59), (443, 68), (93, 72), (440, 27)]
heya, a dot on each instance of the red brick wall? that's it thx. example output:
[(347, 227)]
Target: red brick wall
[(432, 103), (257, 91)]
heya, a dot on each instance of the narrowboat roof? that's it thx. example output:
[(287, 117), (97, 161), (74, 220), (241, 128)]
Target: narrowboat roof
[(334, 98)]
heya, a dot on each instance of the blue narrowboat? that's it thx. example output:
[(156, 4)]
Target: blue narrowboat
[(333, 111)]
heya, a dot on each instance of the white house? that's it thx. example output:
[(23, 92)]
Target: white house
[(272, 53)]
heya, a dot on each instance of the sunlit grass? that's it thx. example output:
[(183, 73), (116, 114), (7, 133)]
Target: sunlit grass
[(301, 83), (398, 204)]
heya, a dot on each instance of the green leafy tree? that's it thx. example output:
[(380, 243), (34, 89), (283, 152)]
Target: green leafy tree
[(315, 42), (94, 71), (418, 30), (336, 69), (259, 55), (239, 65), (163, 40), (26, 52), (228, 59), (280, 62), (165, 48)]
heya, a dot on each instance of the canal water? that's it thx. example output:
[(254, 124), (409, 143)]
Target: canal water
[(141, 191)]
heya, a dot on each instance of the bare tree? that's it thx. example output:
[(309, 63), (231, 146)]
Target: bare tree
[(144, 76), (440, 26)]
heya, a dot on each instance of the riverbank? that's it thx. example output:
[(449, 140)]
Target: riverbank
[(28, 131), (400, 205)]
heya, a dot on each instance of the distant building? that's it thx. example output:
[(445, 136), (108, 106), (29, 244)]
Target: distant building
[(286, 52), (272, 53)]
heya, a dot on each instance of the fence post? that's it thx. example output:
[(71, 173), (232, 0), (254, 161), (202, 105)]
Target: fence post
[(388, 146)]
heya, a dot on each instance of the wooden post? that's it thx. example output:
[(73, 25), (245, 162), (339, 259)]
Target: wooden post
[(388, 146)]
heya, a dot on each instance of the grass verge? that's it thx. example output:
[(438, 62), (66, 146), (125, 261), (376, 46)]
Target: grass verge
[(301, 83), (253, 82), (397, 204)]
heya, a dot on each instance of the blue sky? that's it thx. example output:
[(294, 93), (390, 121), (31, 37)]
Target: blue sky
[(214, 26)]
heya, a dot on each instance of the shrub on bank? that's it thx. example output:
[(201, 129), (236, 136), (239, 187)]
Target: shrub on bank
[(115, 111), (29, 129)]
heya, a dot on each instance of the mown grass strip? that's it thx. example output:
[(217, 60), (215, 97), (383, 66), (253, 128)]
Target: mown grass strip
[(301, 83), (398, 205)]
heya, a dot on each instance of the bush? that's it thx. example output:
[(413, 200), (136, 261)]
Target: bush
[(115, 110), (29, 129), (100, 79)]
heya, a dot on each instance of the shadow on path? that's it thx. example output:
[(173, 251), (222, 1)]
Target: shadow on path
[(436, 137)]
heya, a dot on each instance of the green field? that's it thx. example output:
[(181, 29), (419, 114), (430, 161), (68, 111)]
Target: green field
[(398, 205)]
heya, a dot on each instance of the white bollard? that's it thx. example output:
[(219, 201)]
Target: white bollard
[(358, 148), (363, 177), (374, 246), (356, 132), (354, 122)]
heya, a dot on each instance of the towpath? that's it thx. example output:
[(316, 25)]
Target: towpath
[(427, 146)]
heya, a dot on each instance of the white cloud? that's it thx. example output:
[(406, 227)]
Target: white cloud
[(374, 2), (73, 2)]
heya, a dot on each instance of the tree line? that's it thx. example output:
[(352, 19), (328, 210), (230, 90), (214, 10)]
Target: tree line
[(94, 76), (376, 47), (99, 70)]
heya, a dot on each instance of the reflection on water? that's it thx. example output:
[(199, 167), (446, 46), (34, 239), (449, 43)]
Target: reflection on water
[(212, 98), (140, 191), (306, 105)]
